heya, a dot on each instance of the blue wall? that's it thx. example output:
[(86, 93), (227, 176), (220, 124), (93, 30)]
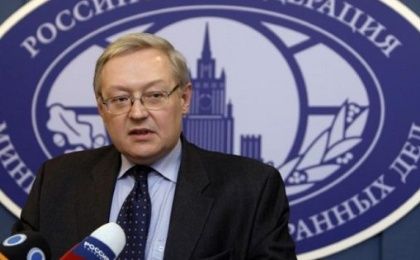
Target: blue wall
[(400, 241)]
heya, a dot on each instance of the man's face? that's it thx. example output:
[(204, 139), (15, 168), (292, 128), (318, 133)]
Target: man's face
[(142, 135)]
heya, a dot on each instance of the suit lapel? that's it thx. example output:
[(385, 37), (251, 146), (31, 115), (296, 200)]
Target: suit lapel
[(95, 197), (190, 208)]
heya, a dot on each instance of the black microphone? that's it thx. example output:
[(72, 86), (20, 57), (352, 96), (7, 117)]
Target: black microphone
[(25, 245), (105, 243)]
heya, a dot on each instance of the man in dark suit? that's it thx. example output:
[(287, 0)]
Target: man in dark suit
[(200, 204)]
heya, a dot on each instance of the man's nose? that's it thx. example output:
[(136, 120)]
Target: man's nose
[(138, 110)]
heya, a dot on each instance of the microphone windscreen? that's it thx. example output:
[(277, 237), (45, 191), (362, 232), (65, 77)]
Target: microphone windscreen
[(25, 245), (112, 235), (106, 242)]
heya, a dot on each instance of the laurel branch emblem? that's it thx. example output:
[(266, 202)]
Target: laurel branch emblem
[(328, 152), (71, 132)]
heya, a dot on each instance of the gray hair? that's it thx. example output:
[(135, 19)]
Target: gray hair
[(138, 41)]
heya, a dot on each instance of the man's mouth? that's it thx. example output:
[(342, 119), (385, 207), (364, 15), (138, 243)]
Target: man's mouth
[(142, 131)]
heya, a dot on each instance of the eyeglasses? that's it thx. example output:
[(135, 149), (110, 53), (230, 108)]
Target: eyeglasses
[(151, 100)]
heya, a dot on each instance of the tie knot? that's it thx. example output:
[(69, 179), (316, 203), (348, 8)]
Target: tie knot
[(140, 171)]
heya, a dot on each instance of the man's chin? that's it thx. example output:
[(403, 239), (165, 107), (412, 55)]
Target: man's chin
[(142, 157)]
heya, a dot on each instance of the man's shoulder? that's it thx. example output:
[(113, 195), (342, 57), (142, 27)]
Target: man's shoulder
[(233, 164), (227, 172), (89, 156)]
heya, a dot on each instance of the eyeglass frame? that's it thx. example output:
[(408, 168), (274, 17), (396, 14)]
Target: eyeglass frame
[(132, 98)]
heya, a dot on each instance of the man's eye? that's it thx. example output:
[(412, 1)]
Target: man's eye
[(154, 95), (120, 99)]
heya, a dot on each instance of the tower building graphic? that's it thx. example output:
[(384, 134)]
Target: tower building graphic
[(210, 122)]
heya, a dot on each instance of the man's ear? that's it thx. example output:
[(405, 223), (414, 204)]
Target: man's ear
[(186, 98)]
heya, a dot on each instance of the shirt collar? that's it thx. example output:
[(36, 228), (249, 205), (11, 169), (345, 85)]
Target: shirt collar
[(168, 166)]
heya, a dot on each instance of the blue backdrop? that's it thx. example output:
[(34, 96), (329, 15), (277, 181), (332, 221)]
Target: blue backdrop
[(400, 241)]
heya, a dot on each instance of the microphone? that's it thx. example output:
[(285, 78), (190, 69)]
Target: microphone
[(25, 245), (104, 243)]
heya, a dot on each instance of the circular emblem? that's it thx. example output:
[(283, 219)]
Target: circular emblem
[(36, 254), (15, 240), (325, 91)]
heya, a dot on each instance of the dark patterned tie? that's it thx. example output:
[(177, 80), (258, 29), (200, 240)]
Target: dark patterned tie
[(134, 216)]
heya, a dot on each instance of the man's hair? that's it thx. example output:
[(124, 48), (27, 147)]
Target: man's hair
[(139, 41)]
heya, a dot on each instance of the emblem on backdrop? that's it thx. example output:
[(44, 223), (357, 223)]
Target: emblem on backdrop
[(324, 91)]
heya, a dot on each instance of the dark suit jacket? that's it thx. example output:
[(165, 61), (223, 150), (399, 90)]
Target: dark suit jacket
[(225, 207)]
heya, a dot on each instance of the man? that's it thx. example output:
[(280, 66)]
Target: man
[(202, 205)]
